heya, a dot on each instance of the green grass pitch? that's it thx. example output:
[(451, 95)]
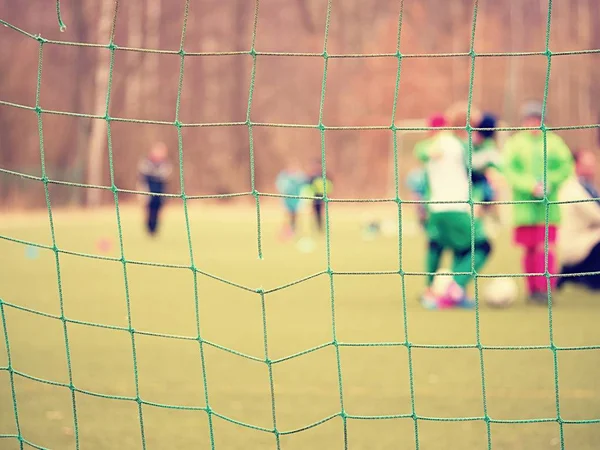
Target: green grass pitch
[(520, 384)]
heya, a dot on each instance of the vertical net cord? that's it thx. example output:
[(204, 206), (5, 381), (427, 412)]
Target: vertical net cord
[(112, 47), (184, 198), (255, 193), (11, 376), (469, 128), (546, 229), (61, 25), (269, 364), (321, 127), (63, 319), (413, 410)]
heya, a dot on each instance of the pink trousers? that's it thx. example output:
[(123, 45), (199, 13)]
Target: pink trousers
[(532, 239)]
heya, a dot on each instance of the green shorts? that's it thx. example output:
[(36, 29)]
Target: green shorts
[(453, 229)]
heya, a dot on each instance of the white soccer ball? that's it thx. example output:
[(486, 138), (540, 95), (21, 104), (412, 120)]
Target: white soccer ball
[(500, 292), (441, 282)]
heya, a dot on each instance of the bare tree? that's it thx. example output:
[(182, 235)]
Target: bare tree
[(134, 59), (151, 61), (306, 15), (97, 143), (81, 67), (515, 34)]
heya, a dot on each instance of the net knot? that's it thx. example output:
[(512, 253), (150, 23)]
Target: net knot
[(344, 414), (472, 53), (112, 46), (107, 117), (40, 39), (38, 109), (193, 268), (177, 123), (398, 55), (487, 419), (252, 52), (393, 127), (548, 53), (208, 410), (325, 55), (321, 127), (181, 52), (44, 179), (114, 189), (71, 387), (544, 128), (55, 248), (553, 347), (559, 419), (138, 400), (268, 361), (131, 330), (276, 432), (260, 291)]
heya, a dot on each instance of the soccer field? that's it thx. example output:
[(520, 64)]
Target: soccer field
[(373, 315)]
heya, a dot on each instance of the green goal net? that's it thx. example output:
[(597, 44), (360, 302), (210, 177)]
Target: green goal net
[(401, 136)]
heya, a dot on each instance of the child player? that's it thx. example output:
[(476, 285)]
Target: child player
[(523, 169), (419, 186), (485, 161), (154, 171), (291, 181), (456, 229), (318, 190)]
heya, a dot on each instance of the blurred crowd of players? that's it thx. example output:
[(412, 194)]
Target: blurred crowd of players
[(550, 185)]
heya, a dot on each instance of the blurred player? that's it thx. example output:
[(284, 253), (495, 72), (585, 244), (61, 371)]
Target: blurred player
[(523, 168), (485, 162), (419, 185), (459, 115), (455, 227), (579, 239), (154, 172), (291, 181), (318, 190)]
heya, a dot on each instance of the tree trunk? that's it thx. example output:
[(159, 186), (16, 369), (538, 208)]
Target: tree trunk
[(455, 26), (239, 100), (151, 60), (562, 17), (134, 59), (80, 95), (583, 88), (97, 143), (512, 85)]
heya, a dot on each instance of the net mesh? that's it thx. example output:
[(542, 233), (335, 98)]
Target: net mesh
[(262, 294)]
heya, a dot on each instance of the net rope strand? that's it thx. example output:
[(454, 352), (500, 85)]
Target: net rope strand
[(328, 272), (486, 417)]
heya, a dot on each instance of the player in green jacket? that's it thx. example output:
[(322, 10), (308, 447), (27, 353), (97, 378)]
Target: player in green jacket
[(315, 181), (523, 168)]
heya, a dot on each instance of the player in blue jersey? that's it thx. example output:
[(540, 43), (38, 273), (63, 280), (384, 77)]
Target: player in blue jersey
[(154, 173), (291, 181)]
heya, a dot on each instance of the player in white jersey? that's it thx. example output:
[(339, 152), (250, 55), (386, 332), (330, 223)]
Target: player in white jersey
[(456, 229)]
